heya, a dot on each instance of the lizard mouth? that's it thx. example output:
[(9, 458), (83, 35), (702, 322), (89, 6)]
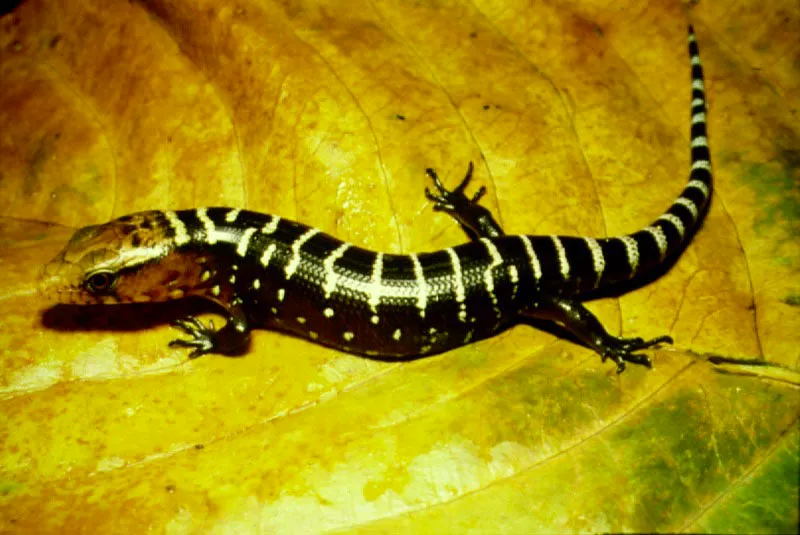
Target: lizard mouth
[(59, 282)]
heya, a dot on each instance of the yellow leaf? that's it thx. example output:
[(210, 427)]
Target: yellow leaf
[(576, 116)]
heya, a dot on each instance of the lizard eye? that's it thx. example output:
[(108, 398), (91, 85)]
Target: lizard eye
[(101, 282)]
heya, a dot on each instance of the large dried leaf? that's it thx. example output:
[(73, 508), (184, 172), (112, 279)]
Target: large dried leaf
[(576, 115)]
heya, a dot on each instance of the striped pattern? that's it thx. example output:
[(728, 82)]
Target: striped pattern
[(294, 262), (422, 285), (231, 216), (375, 286), (675, 221), (563, 263), (212, 234), (244, 242), (598, 259), (272, 225), (330, 279), (181, 236), (267, 256), (459, 290), (536, 266), (660, 238), (678, 223), (488, 274)]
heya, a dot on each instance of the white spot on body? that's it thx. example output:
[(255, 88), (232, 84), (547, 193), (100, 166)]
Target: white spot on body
[(313, 335), (215, 290), (181, 235), (294, 261), (205, 276), (348, 335), (397, 334), (375, 319), (244, 241), (256, 284), (328, 312), (301, 320), (232, 279), (281, 294)]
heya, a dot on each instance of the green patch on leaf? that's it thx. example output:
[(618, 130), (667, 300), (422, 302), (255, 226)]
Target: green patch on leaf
[(792, 299), (9, 487), (776, 185), (764, 500)]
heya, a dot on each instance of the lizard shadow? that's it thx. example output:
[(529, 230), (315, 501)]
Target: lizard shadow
[(132, 317), (126, 317), (129, 317)]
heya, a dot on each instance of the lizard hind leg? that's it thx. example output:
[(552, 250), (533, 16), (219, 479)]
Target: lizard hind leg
[(578, 320), (477, 221)]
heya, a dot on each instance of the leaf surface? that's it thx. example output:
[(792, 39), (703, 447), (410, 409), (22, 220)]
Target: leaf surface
[(577, 119)]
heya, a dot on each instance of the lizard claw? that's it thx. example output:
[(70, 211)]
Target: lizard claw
[(622, 350), (202, 339)]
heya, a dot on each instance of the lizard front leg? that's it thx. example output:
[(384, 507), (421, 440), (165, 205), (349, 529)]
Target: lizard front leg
[(232, 339)]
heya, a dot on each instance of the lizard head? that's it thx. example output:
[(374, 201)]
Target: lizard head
[(127, 260)]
